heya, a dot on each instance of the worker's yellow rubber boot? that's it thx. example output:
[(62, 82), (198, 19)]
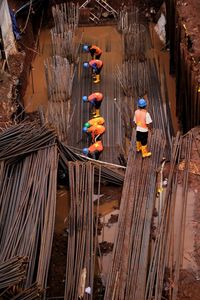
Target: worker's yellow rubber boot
[(145, 152), (97, 80), (138, 146)]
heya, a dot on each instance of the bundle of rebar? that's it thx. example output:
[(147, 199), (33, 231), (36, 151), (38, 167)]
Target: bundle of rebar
[(109, 172), (21, 139), (80, 249), (128, 271), (133, 78), (60, 68), (28, 173), (12, 272), (30, 293), (135, 35), (144, 267), (66, 16), (138, 76), (59, 76), (127, 15), (66, 44)]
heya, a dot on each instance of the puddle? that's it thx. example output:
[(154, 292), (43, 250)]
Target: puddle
[(108, 235), (62, 208)]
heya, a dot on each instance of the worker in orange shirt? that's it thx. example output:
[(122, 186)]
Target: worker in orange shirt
[(95, 131), (143, 122), (95, 99), (96, 65), (93, 50), (94, 151), (94, 121)]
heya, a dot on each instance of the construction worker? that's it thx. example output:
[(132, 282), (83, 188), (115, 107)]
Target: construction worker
[(94, 51), (143, 121), (96, 132), (94, 150), (96, 65), (95, 121), (95, 99)]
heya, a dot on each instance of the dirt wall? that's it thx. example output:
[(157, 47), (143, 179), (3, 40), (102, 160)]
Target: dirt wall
[(184, 32)]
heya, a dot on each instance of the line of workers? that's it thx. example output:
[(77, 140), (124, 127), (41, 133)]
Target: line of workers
[(94, 128)]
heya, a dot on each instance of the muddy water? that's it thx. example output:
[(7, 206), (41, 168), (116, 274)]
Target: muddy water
[(62, 209), (108, 234), (36, 93)]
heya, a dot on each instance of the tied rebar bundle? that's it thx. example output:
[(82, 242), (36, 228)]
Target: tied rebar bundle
[(146, 264), (21, 139), (80, 248), (130, 255), (12, 272), (110, 173), (59, 76), (133, 78), (31, 293), (66, 44), (135, 36), (66, 16), (28, 178)]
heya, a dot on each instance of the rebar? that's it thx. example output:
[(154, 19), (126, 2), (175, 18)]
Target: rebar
[(28, 175)]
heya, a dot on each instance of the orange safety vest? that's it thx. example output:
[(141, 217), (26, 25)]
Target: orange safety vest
[(98, 62), (96, 121), (95, 96), (140, 118), (97, 49), (96, 130), (98, 146)]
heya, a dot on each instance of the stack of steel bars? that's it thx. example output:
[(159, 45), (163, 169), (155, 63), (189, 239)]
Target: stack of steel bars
[(59, 77), (139, 75), (12, 272), (66, 16), (64, 36), (28, 173), (60, 68), (66, 44), (109, 172), (143, 267), (80, 249), (130, 256)]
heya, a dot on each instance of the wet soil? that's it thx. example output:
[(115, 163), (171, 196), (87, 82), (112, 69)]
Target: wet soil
[(189, 283), (56, 279)]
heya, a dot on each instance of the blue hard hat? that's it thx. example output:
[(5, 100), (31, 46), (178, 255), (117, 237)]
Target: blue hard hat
[(85, 48), (142, 103), (85, 129), (85, 65), (85, 151), (85, 98)]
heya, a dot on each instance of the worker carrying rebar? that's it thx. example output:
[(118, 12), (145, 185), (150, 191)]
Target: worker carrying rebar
[(94, 151), (95, 100), (94, 121), (93, 50), (95, 132), (96, 65), (143, 122)]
